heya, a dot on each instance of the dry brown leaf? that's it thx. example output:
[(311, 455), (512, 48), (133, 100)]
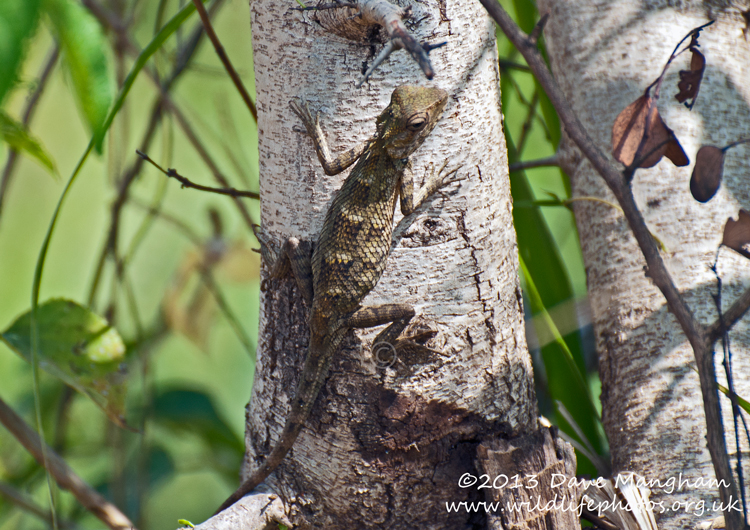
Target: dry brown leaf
[(690, 80), (188, 304), (675, 152), (707, 173), (628, 131), (737, 234)]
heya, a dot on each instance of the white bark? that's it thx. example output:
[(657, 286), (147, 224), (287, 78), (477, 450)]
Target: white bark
[(604, 54), (386, 446)]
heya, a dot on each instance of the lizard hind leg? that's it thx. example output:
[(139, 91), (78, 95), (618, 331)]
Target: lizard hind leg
[(388, 343), (295, 257)]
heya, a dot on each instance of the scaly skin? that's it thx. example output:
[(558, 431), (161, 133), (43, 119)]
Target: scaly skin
[(353, 246)]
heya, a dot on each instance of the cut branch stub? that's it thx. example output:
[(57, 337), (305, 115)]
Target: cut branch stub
[(690, 80), (707, 173), (631, 143), (737, 234), (356, 19)]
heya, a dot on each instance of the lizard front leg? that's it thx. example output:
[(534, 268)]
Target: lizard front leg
[(411, 200), (331, 166)]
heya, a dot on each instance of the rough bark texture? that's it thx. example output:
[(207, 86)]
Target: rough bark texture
[(536, 472), (386, 444), (604, 54)]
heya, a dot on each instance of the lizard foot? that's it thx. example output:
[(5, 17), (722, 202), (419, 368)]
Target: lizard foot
[(408, 350), (302, 110), (443, 177)]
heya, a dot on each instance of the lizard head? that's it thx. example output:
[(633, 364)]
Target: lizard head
[(411, 116)]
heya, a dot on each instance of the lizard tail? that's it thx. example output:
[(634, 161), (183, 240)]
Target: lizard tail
[(288, 436), (314, 372)]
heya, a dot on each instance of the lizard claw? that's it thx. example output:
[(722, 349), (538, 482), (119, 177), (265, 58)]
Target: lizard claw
[(445, 177), (267, 250), (302, 110)]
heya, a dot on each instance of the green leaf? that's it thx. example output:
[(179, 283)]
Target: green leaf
[(164, 33), (83, 45), (526, 14), (191, 410), (18, 20), (19, 138), (743, 403), (184, 410), (80, 348)]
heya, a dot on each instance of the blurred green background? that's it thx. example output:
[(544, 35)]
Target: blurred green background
[(190, 359)]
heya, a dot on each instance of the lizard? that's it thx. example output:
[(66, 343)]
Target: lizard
[(353, 245)]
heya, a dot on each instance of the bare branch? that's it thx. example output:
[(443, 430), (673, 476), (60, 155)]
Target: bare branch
[(107, 512), (390, 17), (224, 59), (186, 183), (526, 127), (538, 29), (511, 65)]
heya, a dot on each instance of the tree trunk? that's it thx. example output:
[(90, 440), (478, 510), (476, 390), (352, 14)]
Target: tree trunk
[(604, 55), (386, 445)]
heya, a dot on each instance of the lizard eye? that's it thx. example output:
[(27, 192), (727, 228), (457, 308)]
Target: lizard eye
[(417, 122)]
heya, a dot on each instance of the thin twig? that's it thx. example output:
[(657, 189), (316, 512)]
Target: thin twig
[(184, 55), (225, 60), (391, 19), (734, 144), (694, 331), (526, 127), (28, 112), (729, 373), (538, 28), (511, 65), (735, 312), (526, 103), (107, 512), (550, 161), (106, 17), (203, 153), (187, 183)]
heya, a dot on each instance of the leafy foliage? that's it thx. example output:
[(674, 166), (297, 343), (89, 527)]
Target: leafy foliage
[(562, 371), (20, 139), (72, 335), (18, 20), (78, 347), (84, 51)]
